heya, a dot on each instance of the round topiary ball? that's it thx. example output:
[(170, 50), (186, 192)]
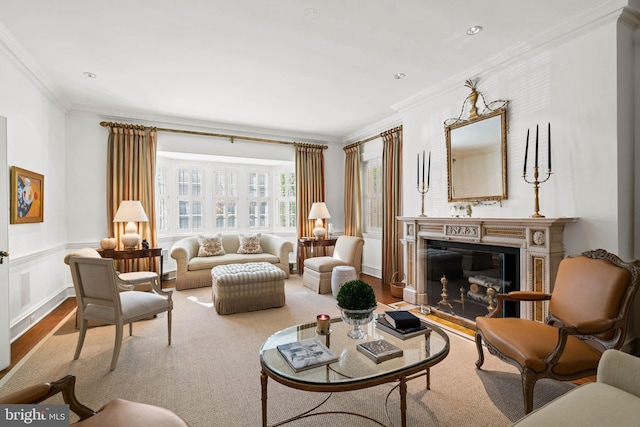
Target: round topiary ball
[(356, 295)]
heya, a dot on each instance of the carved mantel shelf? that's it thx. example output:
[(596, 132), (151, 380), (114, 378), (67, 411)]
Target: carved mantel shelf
[(540, 241)]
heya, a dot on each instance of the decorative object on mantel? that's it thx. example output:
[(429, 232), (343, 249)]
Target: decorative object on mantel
[(477, 150), (536, 182), (422, 189)]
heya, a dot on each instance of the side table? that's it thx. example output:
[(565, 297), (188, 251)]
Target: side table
[(312, 243), (130, 254)]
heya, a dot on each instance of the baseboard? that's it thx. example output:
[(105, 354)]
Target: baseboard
[(372, 271), (29, 319)]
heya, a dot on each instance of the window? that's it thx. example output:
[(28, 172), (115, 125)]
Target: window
[(217, 196), (285, 200), (372, 195)]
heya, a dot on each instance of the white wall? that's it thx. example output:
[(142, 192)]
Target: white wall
[(36, 141)]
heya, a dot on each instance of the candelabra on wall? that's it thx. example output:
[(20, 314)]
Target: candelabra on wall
[(536, 181), (422, 188)]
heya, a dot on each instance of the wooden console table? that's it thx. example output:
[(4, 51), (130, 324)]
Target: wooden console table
[(130, 254), (312, 243)]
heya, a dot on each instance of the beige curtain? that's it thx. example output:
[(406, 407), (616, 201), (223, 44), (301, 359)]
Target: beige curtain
[(131, 165), (391, 203), (352, 192), (309, 184)]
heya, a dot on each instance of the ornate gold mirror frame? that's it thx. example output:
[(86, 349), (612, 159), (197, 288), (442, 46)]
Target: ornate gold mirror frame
[(477, 150)]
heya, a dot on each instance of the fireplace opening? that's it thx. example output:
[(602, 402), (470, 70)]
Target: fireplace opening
[(463, 278)]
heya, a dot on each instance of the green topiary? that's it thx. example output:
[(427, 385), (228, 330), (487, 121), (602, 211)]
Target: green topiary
[(356, 295)]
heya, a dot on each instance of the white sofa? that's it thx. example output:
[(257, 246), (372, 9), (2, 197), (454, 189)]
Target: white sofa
[(195, 272), (613, 400)]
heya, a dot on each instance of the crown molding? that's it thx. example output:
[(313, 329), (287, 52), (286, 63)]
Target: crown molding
[(373, 129), (157, 120), (607, 12), (30, 69)]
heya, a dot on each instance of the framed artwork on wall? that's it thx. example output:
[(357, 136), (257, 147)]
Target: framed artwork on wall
[(27, 196)]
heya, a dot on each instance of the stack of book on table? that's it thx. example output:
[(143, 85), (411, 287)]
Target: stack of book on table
[(402, 324), (306, 354)]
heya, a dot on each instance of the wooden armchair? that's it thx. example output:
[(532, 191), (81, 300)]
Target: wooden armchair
[(588, 313), (117, 412)]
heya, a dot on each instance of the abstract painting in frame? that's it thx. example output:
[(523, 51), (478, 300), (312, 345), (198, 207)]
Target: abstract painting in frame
[(27, 196)]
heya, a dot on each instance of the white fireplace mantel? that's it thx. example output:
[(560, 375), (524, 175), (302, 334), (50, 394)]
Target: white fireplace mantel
[(540, 241)]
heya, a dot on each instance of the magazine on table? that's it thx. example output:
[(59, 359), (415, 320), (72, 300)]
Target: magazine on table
[(383, 325), (379, 350), (306, 354)]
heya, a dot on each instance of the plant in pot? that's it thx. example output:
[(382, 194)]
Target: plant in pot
[(356, 302)]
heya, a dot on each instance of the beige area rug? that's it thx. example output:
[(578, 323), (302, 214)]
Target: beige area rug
[(210, 375)]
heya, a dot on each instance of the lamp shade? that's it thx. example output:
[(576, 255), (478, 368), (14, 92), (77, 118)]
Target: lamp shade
[(318, 212), (130, 211)]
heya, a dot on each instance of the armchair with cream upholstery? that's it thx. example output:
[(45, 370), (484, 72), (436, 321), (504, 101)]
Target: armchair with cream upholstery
[(317, 270), (117, 412), (109, 298), (588, 314)]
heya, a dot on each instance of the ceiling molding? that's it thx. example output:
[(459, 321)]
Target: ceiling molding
[(199, 125), (373, 129), (580, 24), (30, 69)]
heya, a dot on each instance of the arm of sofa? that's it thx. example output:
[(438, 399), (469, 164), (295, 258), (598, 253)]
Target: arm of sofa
[(277, 246), (620, 370), (182, 251)]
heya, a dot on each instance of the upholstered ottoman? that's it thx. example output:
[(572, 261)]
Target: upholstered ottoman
[(247, 287)]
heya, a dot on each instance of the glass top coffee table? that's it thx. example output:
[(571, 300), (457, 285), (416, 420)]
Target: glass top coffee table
[(353, 370)]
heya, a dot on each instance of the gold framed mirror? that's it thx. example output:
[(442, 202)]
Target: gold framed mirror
[(477, 151)]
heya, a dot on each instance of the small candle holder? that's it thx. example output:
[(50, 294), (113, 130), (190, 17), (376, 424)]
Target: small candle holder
[(536, 186), (422, 189), (323, 324)]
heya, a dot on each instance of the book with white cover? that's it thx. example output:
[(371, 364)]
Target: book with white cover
[(306, 354)]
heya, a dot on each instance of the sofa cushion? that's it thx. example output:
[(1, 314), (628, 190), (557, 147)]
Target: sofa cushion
[(210, 245), (250, 244), (207, 263)]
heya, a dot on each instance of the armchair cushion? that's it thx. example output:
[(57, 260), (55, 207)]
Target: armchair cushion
[(120, 412)]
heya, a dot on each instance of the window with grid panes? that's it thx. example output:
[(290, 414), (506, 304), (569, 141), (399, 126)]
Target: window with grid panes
[(226, 199), (258, 200), (372, 195), (190, 199), (285, 200)]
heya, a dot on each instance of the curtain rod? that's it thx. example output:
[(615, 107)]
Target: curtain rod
[(217, 135), (371, 138)]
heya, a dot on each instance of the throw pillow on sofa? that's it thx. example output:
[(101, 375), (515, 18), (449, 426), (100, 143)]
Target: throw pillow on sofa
[(210, 245), (250, 244)]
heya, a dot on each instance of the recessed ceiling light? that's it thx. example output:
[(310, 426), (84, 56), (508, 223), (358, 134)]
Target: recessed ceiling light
[(399, 76), (472, 31), (89, 75), (310, 11)]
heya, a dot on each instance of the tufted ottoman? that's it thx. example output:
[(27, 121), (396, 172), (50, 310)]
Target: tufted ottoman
[(244, 287)]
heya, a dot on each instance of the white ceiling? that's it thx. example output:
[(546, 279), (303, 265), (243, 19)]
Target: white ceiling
[(270, 64)]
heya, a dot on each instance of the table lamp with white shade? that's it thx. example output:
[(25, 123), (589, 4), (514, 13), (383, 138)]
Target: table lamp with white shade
[(318, 212), (130, 211)]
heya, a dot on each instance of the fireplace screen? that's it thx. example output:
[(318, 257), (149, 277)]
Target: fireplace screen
[(463, 278)]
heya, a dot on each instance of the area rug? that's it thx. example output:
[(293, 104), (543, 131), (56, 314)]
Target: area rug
[(210, 375)]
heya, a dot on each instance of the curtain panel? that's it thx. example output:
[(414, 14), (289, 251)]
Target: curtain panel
[(391, 203), (309, 184), (131, 165), (352, 192)]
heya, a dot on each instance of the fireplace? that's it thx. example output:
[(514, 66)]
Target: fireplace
[(462, 278), (476, 255)]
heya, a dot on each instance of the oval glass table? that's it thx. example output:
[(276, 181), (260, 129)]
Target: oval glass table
[(353, 370)]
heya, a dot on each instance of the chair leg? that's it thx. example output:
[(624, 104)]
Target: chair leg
[(169, 324), (528, 383), (81, 335), (116, 349), (130, 328), (480, 360)]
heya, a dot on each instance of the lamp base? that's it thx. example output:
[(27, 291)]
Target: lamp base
[(319, 232), (130, 240)]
